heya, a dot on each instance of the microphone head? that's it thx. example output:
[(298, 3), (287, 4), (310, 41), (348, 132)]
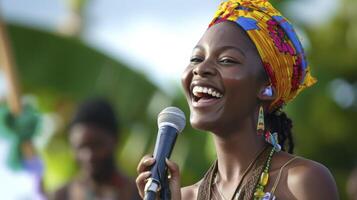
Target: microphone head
[(173, 117)]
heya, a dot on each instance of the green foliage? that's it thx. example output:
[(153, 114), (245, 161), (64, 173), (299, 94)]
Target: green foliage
[(61, 72), (324, 131)]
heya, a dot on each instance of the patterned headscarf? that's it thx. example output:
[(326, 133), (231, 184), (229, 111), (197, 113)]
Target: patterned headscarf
[(278, 45)]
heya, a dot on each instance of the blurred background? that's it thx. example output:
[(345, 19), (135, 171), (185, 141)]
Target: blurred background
[(133, 53)]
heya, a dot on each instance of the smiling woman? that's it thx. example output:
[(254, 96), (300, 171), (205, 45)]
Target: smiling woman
[(247, 65), (218, 63)]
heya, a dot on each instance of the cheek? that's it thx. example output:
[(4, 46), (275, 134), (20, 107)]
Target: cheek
[(105, 150), (186, 79), (240, 80), (241, 92), (186, 75), (234, 73)]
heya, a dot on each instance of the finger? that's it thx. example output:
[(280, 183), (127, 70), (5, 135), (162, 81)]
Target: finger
[(141, 181), (173, 168), (175, 183), (145, 163)]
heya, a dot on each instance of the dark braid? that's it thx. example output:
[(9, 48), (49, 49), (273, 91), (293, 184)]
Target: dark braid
[(279, 122)]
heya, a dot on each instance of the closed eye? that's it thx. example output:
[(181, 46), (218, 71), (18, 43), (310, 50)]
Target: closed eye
[(228, 61), (196, 60)]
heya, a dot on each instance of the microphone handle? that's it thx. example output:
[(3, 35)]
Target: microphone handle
[(150, 195), (167, 138), (165, 142), (165, 193)]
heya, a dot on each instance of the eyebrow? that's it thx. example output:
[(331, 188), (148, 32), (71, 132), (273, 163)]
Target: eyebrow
[(223, 48)]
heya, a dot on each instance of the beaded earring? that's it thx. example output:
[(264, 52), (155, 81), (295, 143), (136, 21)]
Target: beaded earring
[(260, 124), (259, 193), (271, 138)]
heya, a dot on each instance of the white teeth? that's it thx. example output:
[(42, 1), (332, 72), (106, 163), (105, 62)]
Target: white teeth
[(207, 90)]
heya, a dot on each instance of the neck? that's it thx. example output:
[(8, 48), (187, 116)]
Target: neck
[(103, 176), (236, 151)]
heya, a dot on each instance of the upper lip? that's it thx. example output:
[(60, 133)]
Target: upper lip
[(203, 83)]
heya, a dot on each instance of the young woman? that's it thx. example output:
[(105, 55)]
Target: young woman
[(246, 66)]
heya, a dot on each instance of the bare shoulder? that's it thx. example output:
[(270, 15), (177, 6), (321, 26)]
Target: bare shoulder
[(307, 179), (190, 192)]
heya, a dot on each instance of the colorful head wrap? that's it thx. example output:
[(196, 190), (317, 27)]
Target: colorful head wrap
[(278, 45)]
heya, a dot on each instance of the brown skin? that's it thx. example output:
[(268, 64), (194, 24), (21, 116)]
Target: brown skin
[(94, 150), (227, 60)]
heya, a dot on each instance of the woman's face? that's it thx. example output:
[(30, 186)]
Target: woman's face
[(223, 79)]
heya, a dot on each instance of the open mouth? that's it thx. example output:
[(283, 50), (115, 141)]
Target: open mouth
[(202, 93)]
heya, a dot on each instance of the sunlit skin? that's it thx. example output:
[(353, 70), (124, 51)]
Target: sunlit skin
[(227, 60)]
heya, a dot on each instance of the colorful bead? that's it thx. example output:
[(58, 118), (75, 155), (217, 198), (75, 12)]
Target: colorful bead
[(259, 194), (264, 178), (268, 196), (273, 140), (268, 91)]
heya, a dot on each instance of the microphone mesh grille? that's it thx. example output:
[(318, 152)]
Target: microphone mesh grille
[(174, 116)]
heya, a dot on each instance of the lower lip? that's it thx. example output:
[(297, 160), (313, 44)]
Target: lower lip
[(205, 103)]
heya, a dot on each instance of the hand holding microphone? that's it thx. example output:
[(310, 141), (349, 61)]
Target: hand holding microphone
[(171, 121)]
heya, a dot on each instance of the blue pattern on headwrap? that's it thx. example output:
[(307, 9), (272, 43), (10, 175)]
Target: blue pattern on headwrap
[(289, 30), (247, 23)]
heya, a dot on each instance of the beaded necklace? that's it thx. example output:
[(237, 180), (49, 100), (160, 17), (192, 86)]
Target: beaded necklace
[(239, 187), (259, 193), (264, 178)]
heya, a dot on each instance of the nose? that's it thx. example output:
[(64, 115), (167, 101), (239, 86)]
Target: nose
[(205, 68)]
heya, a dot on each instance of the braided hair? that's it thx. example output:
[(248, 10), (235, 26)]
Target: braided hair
[(279, 122)]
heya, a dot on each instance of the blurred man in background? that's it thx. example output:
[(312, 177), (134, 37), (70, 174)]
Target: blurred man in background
[(94, 136)]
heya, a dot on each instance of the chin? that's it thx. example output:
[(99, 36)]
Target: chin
[(203, 123)]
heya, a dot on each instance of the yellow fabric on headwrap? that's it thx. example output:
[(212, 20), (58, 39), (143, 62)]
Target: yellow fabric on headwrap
[(278, 45)]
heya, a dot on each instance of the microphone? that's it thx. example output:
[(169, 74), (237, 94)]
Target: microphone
[(171, 121)]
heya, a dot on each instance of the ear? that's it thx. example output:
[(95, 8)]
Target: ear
[(266, 93)]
